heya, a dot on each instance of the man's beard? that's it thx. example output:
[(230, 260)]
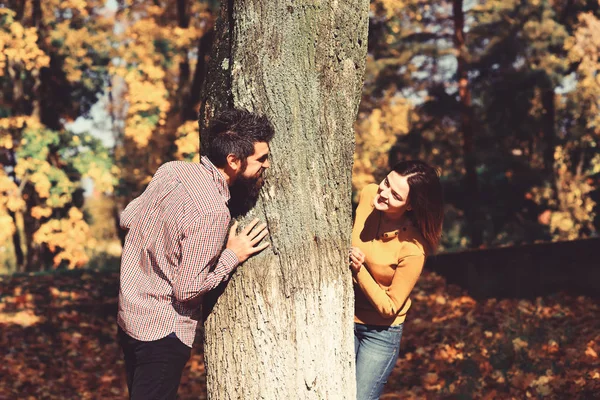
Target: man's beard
[(244, 194)]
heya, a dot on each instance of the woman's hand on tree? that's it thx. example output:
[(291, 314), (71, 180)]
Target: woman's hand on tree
[(357, 259)]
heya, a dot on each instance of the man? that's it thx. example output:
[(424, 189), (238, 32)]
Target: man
[(174, 251)]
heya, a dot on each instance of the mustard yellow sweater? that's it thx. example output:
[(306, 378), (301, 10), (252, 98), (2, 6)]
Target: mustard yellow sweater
[(393, 262)]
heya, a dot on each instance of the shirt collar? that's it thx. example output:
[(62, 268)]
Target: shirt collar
[(217, 178)]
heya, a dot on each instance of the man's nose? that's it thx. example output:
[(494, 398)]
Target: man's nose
[(266, 164)]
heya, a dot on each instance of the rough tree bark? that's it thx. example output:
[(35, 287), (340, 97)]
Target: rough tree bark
[(283, 327)]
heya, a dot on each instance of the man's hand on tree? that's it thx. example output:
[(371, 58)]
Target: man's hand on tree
[(245, 243)]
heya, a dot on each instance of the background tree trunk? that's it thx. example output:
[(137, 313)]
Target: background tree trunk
[(283, 327), (472, 213)]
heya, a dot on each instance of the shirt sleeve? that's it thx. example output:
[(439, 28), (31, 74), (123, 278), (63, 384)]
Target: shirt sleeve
[(201, 250), (388, 302), (129, 213), (132, 210)]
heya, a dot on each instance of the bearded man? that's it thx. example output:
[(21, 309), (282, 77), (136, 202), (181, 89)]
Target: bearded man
[(180, 246)]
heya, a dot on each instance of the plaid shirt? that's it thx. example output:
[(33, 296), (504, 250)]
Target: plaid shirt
[(173, 252)]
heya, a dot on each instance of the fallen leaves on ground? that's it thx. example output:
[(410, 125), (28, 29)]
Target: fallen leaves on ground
[(58, 335), (456, 347)]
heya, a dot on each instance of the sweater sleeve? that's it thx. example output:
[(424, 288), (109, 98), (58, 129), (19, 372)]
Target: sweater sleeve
[(388, 302)]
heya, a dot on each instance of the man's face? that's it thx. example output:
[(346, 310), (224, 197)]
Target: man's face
[(257, 162), (247, 185)]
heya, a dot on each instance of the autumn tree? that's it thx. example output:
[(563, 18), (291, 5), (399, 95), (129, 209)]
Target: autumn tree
[(576, 158), (530, 148), (52, 66), (157, 73), (144, 59), (283, 326)]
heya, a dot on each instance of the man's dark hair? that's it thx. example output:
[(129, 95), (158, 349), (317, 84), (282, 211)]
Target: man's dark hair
[(235, 132)]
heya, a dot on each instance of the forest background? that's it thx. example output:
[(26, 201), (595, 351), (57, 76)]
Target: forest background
[(95, 95)]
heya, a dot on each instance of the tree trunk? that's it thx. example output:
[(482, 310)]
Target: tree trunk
[(283, 327), (183, 21), (204, 45), (16, 239), (11, 161), (466, 125), (35, 255), (548, 123)]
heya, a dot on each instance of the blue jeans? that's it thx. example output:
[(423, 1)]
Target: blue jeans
[(376, 349)]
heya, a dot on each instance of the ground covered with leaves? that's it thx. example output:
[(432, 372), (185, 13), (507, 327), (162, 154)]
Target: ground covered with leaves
[(58, 332)]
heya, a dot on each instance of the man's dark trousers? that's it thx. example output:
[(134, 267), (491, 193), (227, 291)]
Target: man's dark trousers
[(153, 368)]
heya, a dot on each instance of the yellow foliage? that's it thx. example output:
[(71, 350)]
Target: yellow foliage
[(392, 6), (15, 203), (153, 72), (15, 122), (146, 95), (584, 49), (75, 6), (78, 33), (10, 200), (37, 172), (574, 207), (562, 222), (69, 238), (75, 214), (75, 42), (7, 142), (104, 181), (140, 134), (147, 83), (18, 47), (38, 212), (188, 142), (42, 184), (8, 227), (10, 197), (6, 184), (376, 133)]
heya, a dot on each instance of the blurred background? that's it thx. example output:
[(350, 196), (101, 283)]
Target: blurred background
[(501, 95)]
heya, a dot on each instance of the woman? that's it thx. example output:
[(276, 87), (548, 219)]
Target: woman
[(397, 224)]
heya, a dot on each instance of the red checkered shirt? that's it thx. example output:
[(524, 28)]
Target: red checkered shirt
[(173, 252)]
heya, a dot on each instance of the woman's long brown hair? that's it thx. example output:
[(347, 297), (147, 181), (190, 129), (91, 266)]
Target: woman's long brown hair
[(425, 198)]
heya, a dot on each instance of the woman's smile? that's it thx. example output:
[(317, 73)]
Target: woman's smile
[(381, 200)]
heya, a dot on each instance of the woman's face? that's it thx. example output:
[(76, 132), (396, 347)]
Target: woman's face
[(392, 195)]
